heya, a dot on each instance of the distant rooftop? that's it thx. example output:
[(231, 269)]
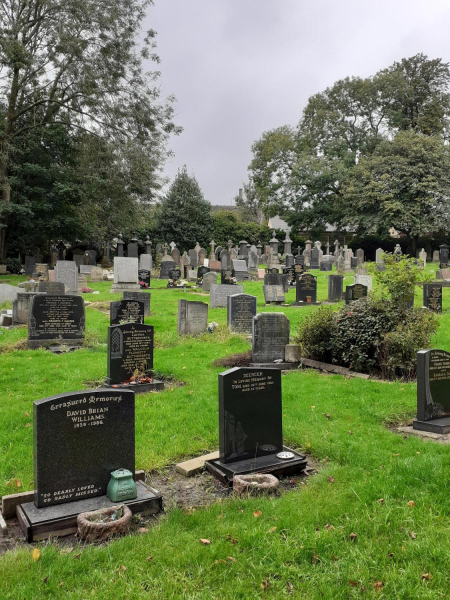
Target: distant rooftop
[(278, 223)]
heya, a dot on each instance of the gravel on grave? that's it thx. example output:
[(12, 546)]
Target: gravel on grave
[(178, 491)]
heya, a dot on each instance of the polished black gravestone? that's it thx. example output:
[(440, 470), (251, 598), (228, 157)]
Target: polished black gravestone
[(277, 279), (433, 391), (165, 268), (145, 277), (130, 348), (79, 439), (443, 256), (306, 290), (126, 311), (432, 296), (140, 297), (291, 275), (56, 318), (241, 308), (201, 271), (355, 292), (250, 425)]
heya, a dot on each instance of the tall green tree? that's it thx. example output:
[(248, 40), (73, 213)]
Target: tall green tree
[(184, 216), (79, 63), (404, 184)]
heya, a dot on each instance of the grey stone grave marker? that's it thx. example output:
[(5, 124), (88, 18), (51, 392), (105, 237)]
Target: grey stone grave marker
[(274, 294), (66, 271), (270, 336), (192, 317), (126, 311), (241, 309), (220, 293), (126, 276), (208, 280)]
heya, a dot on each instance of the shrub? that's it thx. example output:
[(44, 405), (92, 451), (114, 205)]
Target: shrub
[(399, 279), (398, 350), (315, 333), (360, 329), (14, 265)]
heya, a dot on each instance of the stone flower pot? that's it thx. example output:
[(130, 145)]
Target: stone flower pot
[(254, 484), (91, 529)]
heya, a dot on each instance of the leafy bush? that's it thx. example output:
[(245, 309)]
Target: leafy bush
[(14, 265), (398, 351), (315, 333), (399, 279), (360, 329)]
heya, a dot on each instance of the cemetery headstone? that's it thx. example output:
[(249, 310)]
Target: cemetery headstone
[(365, 280), (306, 290), (290, 261), (56, 319), (21, 307), (130, 348), (379, 256), (52, 287), (227, 277), (432, 296), (208, 280), (193, 257), (96, 274), (240, 269), (423, 257), (30, 262), (241, 308), (133, 249), (192, 317), (143, 297), (72, 429), (270, 335), (125, 275), (220, 293), (433, 399), (353, 262), (436, 256), (85, 269), (201, 272), (66, 271), (167, 264), (360, 256), (252, 260), (201, 256), (315, 256), (274, 294), (146, 262), (335, 286), (144, 278), (355, 292), (176, 256), (126, 311)]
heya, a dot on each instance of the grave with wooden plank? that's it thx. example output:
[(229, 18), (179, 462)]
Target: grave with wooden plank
[(251, 426)]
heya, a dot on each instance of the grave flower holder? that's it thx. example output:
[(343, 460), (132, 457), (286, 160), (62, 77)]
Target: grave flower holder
[(100, 525)]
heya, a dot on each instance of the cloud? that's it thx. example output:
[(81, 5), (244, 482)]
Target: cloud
[(241, 67)]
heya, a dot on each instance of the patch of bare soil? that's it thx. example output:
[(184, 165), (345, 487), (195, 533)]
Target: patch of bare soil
[(242, 359), (178, 491)]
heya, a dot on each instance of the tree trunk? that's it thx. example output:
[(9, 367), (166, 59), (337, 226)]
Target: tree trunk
[(6, 198), (414, 241)]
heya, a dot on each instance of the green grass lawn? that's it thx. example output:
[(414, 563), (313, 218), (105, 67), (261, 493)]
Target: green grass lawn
[(301, 545)]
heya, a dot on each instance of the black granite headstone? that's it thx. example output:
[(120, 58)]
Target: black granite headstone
[(432, 297), (140, 297), (250, 414), (353, 262), (144, 278), (355, 292), (306, 289), (227, 277), (175, 274), (30, 262), (433, 391), (79, 439), (315, 258), (56, 317), (290, 272), (277, 279), (443, 256), (241, 308), (300, 260), (200, 272), (165, 268), (326, 266), (130, 347), (126, 311)]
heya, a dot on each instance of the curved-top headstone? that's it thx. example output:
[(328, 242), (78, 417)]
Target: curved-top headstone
[(79, 439)]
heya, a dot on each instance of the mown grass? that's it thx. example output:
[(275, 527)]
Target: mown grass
[(300, 546)]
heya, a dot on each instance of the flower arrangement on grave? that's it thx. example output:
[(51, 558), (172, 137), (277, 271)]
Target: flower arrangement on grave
[(140, 375), (143, 284), (86, 290), (177, 283)]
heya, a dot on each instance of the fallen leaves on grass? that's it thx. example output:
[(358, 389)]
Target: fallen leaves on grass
[(378, 585), (380, 501), (353, 583), (353, 536), (149, 558), (272, 529), (36, 554), (46, 579), (411, 503), (331, 479), (257, 513), (265, 585), (142, 530), (205, 542), (315, 559), (426, 576), (412, 535), (231, 558)]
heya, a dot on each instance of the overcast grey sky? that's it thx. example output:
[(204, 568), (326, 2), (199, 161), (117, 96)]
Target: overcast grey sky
[(241, 67)]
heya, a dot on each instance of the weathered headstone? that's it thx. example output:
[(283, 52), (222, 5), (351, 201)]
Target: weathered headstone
[(355, 292), (435, 255), (306, 290), (241, 308), (192, 317), (143, 297), (66, 271), (433, 398), (82, 283), (315, 257), (220, 293), (208, 280), (130, 348), (277, 279), (365, 280), (193, 257), (146, 262), (133, 249), (360, 256), (56, 319), (201, 256), (227, 277), (269, 337), (443, 256), (252, 260), (167, 264), (432, 296), (423, 257), (240, 269), (274, 294), (8, 293), (21, 307), (335, 283), (176, 256), (126, 311), (96, 274), (79, 439), (379, 256), (30, 262), (85, 269), (52, 287), (125, 275)]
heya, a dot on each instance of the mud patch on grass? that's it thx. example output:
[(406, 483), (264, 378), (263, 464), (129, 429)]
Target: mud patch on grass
[(242, 359)]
